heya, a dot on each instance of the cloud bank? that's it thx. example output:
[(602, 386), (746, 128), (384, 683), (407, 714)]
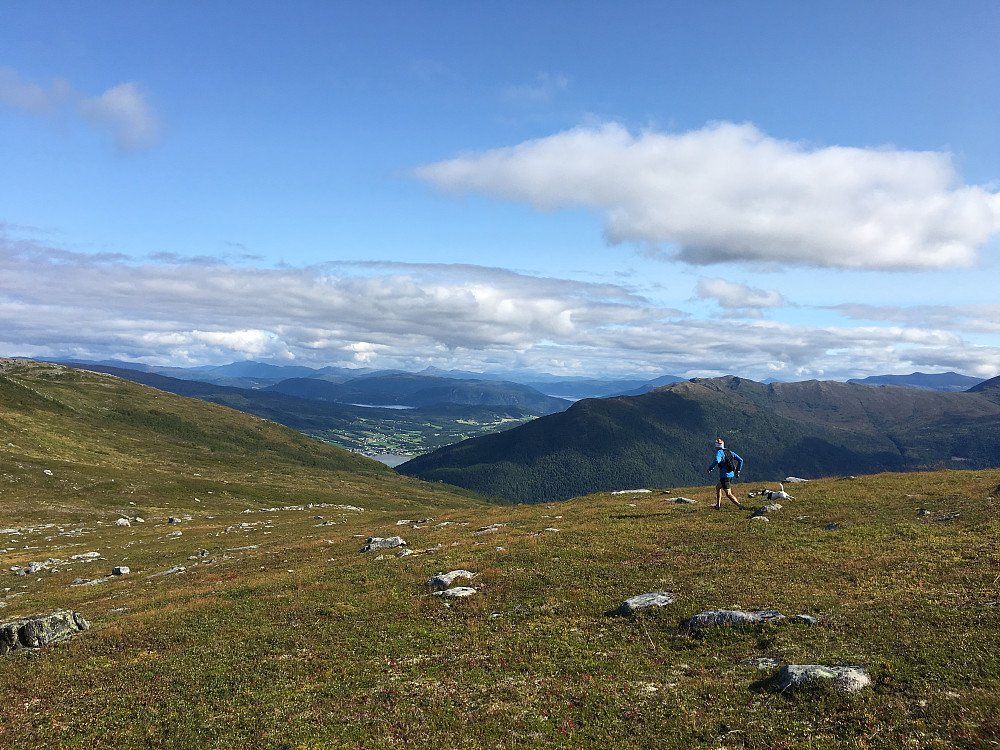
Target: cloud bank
[(729, 192), (122, 111), (56, 303)]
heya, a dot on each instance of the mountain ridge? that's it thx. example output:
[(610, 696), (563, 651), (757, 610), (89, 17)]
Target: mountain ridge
[(663, 438)]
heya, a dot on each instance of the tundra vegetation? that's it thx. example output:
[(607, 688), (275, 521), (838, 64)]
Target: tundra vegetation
[(271, 628)]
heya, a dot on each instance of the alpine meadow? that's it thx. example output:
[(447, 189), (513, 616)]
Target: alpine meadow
[(470, 375)]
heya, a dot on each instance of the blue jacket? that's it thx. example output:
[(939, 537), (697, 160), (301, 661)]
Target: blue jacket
[(720, 458)]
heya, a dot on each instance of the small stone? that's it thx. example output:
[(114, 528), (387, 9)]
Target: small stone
[(47, 472), (831, 527), (794, 480), (761, 662), (923, 512), (173, 519), (765, 509), (949, 516), (807, 619), (120, 570), (122, 522), (759, 518), (642, 601), (404, 553), (844, 679), (685, 501), (175, 534)]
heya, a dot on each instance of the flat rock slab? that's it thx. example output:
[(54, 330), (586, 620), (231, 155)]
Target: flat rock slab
[(720, 618), (685, 501), (443, 580), (377, 542), (765, 509), (844, 679), (642, 601), (457, 593), (40, 630)]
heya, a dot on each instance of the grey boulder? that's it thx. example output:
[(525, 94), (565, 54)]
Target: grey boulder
[(377, 542), (642, 601), (844, 679), (40, 630), (729, 618), (443, 580)]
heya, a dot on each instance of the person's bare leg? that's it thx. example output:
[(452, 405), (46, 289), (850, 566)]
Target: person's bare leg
[(718, 496), (731, 496)]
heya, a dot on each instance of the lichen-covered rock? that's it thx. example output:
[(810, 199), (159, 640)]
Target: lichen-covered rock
[(458, 592), (729, 618), (642, 601), (845, 679), (40, 630), (377, 542), (443, 580)]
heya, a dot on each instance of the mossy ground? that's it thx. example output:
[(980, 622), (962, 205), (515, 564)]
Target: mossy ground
[(294, 638), (303, 641)]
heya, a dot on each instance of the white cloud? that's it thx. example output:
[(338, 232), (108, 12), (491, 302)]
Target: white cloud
[(31, 97), (56, 303), (122, 110), (740, 298), (728, 192), (125, 113), (542, 88)]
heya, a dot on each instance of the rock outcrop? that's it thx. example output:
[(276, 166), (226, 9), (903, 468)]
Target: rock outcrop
[(729, 618), (40, 630), (844, 679)]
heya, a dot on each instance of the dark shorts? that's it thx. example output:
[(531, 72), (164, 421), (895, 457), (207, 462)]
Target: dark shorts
[(725, 482)]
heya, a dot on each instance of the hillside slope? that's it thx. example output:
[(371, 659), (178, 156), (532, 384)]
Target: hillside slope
[(663, 438), (86, 437)]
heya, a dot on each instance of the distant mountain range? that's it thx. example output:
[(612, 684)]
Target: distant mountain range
[(406, 389), (664, 438), (943, 381)]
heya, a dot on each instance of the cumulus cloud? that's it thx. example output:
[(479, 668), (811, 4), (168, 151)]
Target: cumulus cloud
[(122, 111), (728, 192), (739, 298)]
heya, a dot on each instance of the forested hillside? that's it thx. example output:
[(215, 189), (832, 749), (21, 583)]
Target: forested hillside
[(664, 438)]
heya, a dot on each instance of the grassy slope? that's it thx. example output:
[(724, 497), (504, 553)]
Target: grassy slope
[(302, 641)]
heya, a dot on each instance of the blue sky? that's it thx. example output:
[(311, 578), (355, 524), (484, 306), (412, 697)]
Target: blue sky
[(774, 189)]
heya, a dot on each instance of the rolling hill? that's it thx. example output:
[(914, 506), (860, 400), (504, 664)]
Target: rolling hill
[(368, 430), (246, 613), (663, 438)]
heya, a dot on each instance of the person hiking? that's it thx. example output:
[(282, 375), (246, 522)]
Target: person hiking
[(729, 463)]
